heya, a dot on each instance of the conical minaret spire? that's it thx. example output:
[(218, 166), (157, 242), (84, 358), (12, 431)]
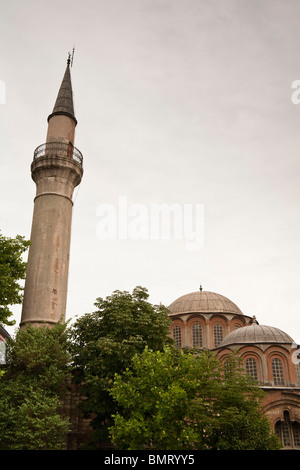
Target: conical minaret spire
[(62, 121), (56, 170), (64, 102)]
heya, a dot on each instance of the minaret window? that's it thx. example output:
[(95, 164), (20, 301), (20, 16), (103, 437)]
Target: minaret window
[(197, 335), (218, 334), (277, 371), (177, 336), (251, 367)]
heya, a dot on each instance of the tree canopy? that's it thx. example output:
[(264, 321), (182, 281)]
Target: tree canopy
[(104, 342), (31, 389), (12, 270), (173, 400)]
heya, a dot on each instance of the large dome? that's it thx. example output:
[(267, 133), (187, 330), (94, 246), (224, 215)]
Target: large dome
[(256, 334), (203, 302)]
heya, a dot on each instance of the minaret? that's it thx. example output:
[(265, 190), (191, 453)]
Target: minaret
[(56, 170)]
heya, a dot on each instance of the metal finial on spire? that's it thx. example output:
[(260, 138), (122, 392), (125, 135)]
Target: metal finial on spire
[(71, 57), (200, 288)]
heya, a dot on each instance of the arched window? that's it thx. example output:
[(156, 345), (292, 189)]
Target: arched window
[(251, 367), (296, 434), (177, 336), (277, 371), (218, 334), (197, 335), (288, 432)]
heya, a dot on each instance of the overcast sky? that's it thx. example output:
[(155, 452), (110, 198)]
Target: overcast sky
[(177, 101)]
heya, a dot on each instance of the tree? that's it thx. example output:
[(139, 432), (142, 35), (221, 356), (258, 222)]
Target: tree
[(12, 270), (104, 342), (173, 400), (31, 390)]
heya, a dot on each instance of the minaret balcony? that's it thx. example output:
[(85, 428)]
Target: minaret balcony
[(58, 149)]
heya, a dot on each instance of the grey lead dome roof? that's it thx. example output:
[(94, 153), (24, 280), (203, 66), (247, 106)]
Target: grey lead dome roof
[(256, 334), (203, 302)]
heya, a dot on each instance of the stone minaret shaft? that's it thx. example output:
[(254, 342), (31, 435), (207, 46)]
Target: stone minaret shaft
[(56, 170)]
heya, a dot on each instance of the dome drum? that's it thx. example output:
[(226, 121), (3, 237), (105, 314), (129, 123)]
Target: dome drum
[(207, 314)]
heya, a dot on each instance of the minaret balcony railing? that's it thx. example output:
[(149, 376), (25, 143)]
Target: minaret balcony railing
[(60, 149)]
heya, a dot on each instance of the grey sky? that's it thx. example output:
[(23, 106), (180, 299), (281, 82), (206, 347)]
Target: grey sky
[(177, 101)]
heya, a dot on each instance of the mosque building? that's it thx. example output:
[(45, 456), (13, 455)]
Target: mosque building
[(203, 320), (206, 320)]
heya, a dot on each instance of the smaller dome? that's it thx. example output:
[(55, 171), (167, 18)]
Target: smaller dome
[(203, 302), (256, 334)]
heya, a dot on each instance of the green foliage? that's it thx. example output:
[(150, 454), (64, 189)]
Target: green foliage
[(172, 401), (104, 342), (31, 389), (12, 269)]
